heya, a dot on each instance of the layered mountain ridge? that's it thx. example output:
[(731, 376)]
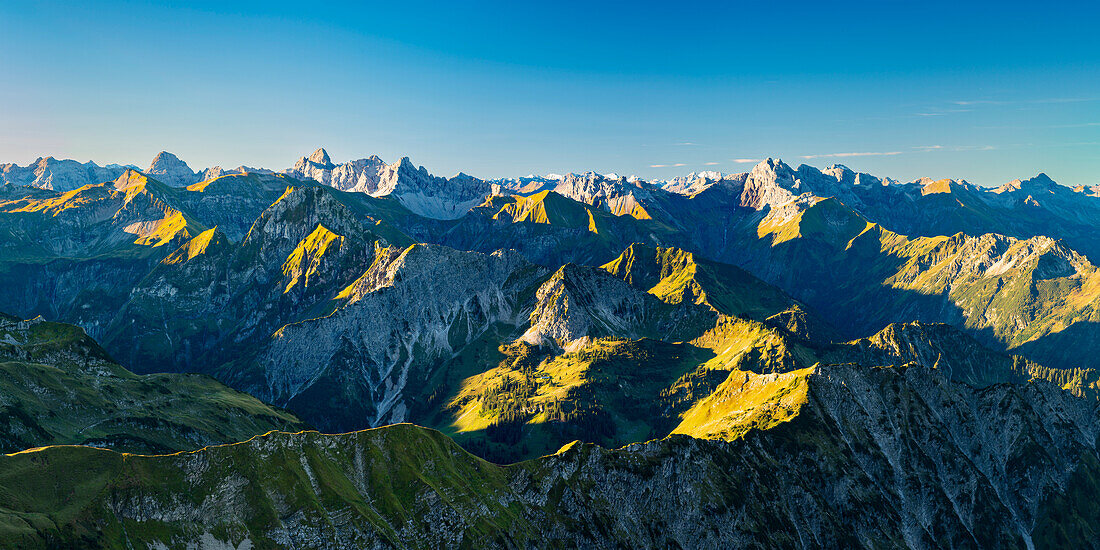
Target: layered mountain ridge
[(924, 207), (931, 464), (787, 357)]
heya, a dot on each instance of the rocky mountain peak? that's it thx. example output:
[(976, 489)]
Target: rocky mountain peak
[(770, 183), (845, 175), (939, 186), (320, 157), (406, 164), (1090, 190), (775, 172), (166, 161), (169, 169), (1043, 178), (695, 181), (1040, 183), (412, 185), (58, 174), (129, 178), (771, 166)]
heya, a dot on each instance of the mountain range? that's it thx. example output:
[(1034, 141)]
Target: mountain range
[(788, 357)]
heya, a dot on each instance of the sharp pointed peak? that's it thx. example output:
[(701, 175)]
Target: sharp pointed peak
[(771, 164), (165, 160), (1041, 177), (165, 156), (1040, 181), (406, 164), (130, 177), (320, 156)]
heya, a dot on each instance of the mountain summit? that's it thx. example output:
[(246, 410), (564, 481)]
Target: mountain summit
[(785, 357), (169, 169), (321, 159)]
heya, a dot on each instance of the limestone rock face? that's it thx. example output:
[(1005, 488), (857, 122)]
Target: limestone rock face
[(578, 303), (785, 368), (170, 170), (412, 309), (618, 195), (415, 188), (58, 175)]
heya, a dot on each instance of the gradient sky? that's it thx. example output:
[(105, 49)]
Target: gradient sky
[(983, 92)]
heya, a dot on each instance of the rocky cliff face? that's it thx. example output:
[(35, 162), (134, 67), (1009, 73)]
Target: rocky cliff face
[(308, 259), (957, 356), (361, 175), (211, 295), (577, 303), (169, 169), (802, 374), (59, 175), (869, 457), (232, 202), (415, 188), (75, 255), (611, 193), (863, 276), (411, 310)]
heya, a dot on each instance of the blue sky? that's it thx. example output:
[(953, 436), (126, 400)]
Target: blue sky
[(980, 91)]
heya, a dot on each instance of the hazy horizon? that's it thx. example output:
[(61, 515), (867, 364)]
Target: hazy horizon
[(495, 90)]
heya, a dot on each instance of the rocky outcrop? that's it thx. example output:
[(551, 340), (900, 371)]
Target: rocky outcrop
[(577, 303), (410, 311), (869, 457), (618, 195), (58, 175), (170, 170), (415, 188)]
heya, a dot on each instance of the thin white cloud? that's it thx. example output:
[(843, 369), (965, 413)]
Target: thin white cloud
[(679, 164), (860, 154), (980, 102), (745, 161), (1080, 125), (686, 143), (658, 166), (1065, 100), (935, 111), (927, 148), (710, 164), (1041, 100)]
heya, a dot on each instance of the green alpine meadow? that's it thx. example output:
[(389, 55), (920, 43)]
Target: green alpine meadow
[(703, 275)]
